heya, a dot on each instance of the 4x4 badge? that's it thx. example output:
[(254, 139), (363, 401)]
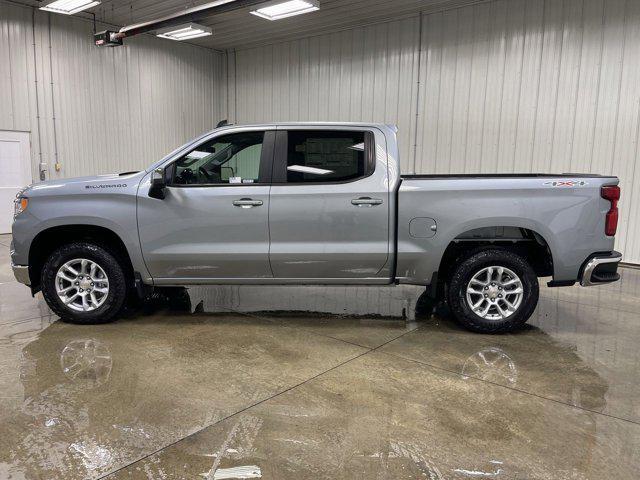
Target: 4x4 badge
[(566, 183)]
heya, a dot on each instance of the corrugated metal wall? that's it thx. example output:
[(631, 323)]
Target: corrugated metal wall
[(115, 109), (366, 74), (544, 86), (16, 57), (504, 86)]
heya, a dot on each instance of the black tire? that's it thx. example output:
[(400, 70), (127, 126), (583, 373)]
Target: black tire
[(116, 295), (425, 305), (465, 271), (178, 299)]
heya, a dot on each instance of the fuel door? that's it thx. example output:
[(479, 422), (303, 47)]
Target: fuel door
[(422, 227)]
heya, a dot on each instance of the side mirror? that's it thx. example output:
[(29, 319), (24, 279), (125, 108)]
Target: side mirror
[(158, 184)]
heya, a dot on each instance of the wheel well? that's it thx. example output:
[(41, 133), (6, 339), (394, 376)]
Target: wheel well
[(48, 240), (527, 243)]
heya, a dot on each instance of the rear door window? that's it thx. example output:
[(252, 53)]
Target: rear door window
[(319, 156)]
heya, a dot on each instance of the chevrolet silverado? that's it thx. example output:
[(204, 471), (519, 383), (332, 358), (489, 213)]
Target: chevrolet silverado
[(313, 203)]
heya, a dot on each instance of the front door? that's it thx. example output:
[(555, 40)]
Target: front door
[(15, 164), (329, 208), (212, 224)]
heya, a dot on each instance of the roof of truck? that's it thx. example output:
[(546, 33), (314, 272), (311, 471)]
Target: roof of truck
[(394, 128)]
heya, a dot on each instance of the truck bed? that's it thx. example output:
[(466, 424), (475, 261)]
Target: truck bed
[(505, 175), (566, 211)]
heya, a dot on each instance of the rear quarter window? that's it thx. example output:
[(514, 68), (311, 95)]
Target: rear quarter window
[(318, 156)]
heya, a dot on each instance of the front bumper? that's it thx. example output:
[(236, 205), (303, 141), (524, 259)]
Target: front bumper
[(601, 268), (21, 272)]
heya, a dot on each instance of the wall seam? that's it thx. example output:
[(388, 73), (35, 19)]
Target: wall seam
[(12, 94), (597, 100), (234, 60), (465, 155), (549, 160), (577, 96), (486, 88), (622, 71), (453, 96), (418, 79), (53, 105), (35, 76), (537, 101), (514, 157)]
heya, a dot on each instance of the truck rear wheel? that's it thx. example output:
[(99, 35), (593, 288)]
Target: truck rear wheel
[(83, 283), (493, 291)]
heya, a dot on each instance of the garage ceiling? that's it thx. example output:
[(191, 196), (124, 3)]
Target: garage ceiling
[(240, 29)]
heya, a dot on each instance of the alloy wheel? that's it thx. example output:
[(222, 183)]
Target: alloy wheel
[(494, 293), (82, 285)]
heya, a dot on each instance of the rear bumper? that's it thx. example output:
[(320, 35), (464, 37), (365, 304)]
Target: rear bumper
[(21, 272), (601, 268)]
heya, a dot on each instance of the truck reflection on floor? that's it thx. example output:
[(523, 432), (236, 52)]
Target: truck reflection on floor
[(357, 301), (86, 360), (98, 397), (56, 413)]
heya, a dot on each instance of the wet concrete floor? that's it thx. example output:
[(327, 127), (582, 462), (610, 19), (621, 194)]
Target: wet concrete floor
[(245, 382)]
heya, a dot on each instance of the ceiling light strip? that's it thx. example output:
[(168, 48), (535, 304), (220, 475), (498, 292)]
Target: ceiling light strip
[(69, 7), (277, 10), (184, 32)]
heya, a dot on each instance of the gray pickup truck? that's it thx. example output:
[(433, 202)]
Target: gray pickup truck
[(313, 203)]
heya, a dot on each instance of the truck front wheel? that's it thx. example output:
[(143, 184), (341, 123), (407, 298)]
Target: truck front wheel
[(83, 283), (493, 291)]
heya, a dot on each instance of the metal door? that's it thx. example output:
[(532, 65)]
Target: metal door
[(15, 161)]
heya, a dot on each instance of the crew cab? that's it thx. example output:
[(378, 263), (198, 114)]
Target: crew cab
[(313, 203)]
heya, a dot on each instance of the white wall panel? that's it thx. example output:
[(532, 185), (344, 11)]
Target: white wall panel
[(364, 74), (551, 90), (115, 109), (503, 86), (15, 41)]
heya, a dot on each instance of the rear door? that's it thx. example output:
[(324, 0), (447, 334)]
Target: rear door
[(212, 225), (329, 205)]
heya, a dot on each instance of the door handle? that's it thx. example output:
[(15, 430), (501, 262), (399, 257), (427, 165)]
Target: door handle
[(366, 201), (247, 203)]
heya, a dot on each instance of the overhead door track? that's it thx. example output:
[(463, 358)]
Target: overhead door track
[(109, 38)]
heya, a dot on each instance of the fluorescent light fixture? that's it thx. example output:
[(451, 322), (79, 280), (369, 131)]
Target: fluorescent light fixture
[(197, 155), (184, 32), (311, 170), (69, 7), (278, 9)]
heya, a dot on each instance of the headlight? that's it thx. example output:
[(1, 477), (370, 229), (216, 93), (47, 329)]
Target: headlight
[(20, 205)]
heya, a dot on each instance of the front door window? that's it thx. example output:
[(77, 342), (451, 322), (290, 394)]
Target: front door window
[(231, 159)]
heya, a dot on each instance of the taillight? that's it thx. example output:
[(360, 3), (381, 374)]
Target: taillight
[(611, 193)]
